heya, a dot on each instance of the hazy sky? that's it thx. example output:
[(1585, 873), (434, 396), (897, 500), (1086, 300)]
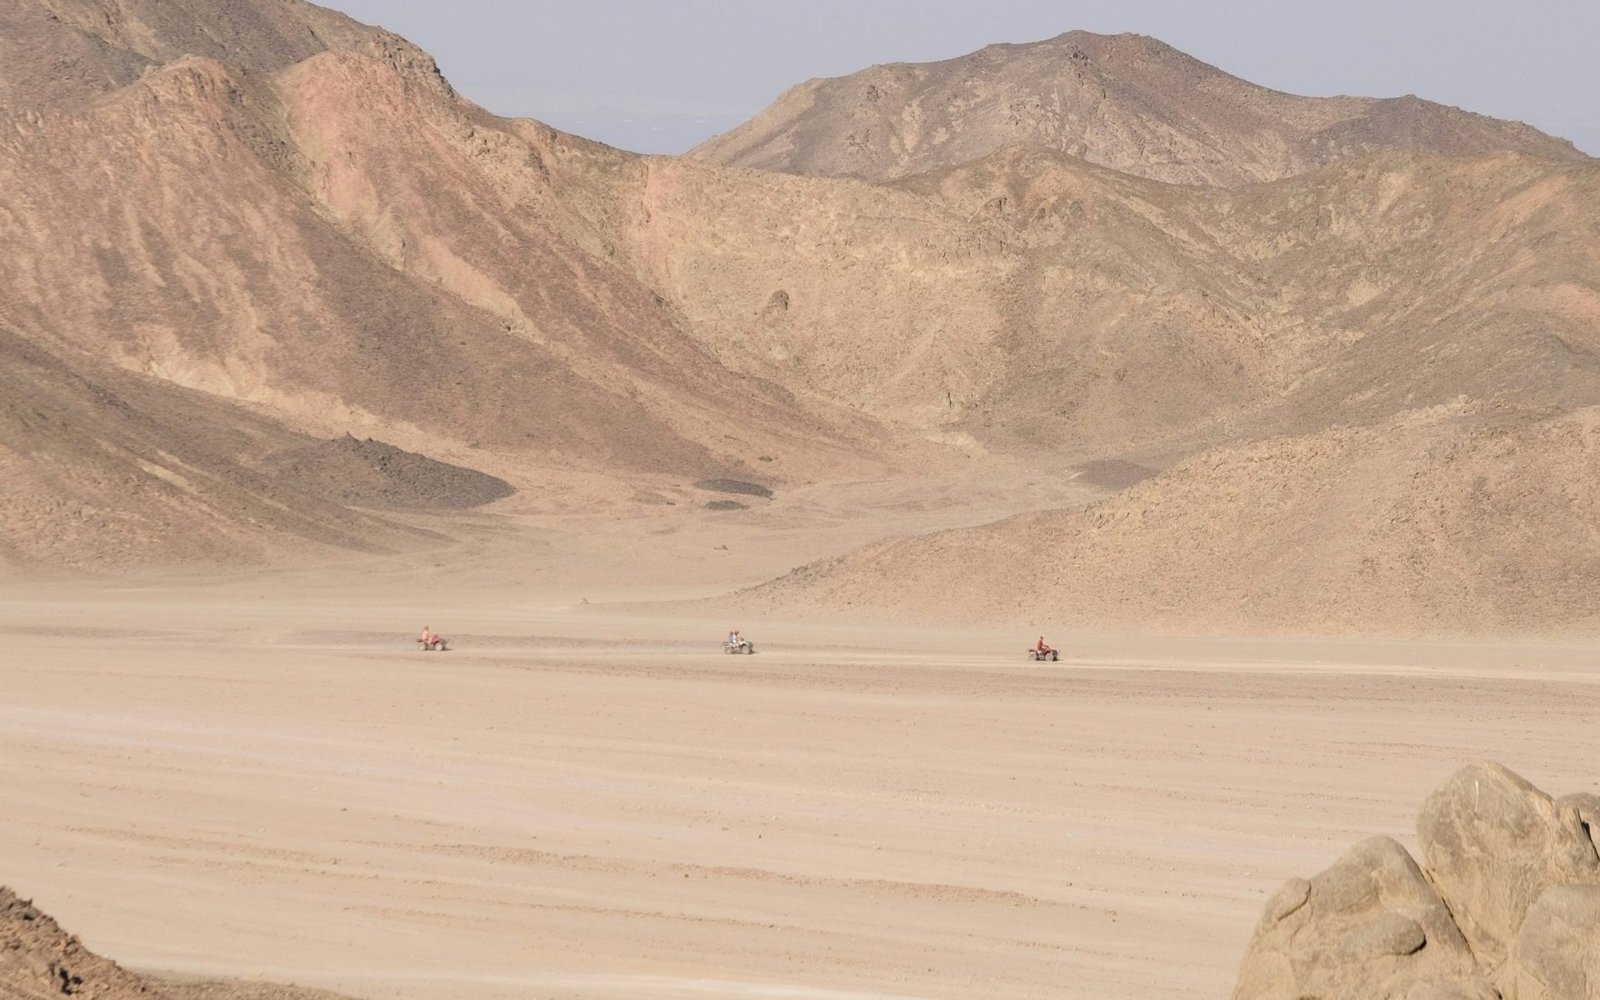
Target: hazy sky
[(682, 70)]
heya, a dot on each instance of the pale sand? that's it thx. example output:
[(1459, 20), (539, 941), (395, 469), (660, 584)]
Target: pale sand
[(260, 777)]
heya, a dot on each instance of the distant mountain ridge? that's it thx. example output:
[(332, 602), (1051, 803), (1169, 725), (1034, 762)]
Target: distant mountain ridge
[(60, 52), (1128, 102), (239, 231)]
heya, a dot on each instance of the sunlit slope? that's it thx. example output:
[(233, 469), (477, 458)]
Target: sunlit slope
[(1450, 521), (1128, 102)]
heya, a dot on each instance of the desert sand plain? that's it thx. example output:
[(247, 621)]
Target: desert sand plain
[(257, 775)]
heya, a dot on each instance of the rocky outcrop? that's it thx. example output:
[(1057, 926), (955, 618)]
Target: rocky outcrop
[(1372, 917), (1558, 948), (39, 960), (375, 474), (1493, 844), (1506, 906)]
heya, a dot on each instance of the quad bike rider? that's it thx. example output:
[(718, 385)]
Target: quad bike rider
[(736, 643), (430, 640), (1043, 651)]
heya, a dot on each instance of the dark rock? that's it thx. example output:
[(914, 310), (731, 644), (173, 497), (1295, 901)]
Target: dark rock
[(371, 474), (734, 486)]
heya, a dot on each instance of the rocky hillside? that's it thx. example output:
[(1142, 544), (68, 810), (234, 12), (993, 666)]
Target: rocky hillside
[(311, 236), (1126, 101), (396, 285), (306, 233), (64, 52), (1462, 520), (1039, 305), (101, 469), (1505, 905)]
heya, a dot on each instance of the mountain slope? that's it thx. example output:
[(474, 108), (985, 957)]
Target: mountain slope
[(312, 236), (100, 469), (1413, 344), (1126, 101), (915, 305), (301, 234), (211, 268), (62, 52), (1452, 521), (1039, 305)]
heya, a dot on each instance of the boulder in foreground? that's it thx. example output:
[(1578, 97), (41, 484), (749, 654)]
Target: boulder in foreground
[(1507, 906), (1493, 844), (1368, 926)]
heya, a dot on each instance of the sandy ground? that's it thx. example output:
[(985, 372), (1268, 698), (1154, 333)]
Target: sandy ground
[(259, 776)]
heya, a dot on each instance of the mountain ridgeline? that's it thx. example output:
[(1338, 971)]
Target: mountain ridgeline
[(270, 285), (1127, 102)]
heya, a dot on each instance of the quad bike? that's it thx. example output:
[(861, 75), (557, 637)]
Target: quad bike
[(742, 646), (437, 644), (1044, 654)]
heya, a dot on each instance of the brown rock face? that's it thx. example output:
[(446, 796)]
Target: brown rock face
[(1370, 925), (1509, 908), (40, 961), (1493, 844), (1125, 101), (1385, 367)]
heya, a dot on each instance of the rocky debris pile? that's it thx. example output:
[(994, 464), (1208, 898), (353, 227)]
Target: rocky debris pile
[(1505, 906), (372, 474), (40, 961), (738, 486)]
